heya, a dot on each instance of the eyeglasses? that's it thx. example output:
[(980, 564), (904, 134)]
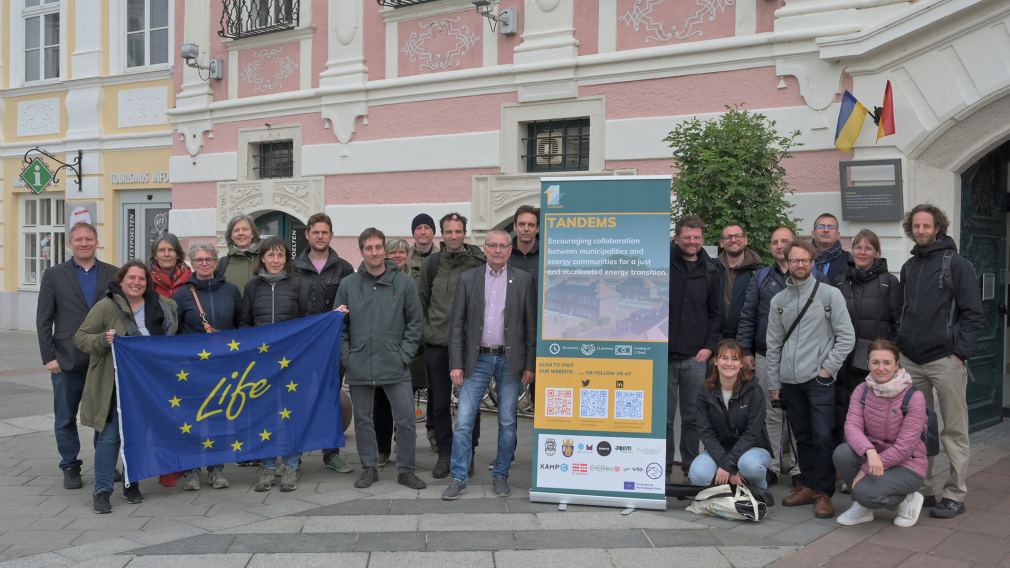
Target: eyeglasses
[(204, 260), (826, 227), (497, 246), (734, 237), (799, 261)]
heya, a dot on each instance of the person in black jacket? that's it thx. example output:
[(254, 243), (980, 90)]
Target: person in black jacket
[(694, 333), (739, 264), (274, 295), (940, 322), (219, 308), (831, 258), (731, 422), (873, 298)]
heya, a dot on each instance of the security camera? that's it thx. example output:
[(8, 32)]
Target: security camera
[(189, 52)]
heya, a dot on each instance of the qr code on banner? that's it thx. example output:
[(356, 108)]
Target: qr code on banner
[(629, 404), (593, 403), (558, 402)]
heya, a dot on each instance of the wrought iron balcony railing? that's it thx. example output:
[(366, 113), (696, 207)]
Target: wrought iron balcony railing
[(244, 18), (400, 3)]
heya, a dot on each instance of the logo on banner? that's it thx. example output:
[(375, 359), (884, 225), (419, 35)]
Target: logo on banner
[(585, 448), (550, 446), (555, 349), (603, 448), (550, 467), (553, 195), (622, 449), (629, 485), (588, 349), (654, 470), (580, 469), (564, 467), (567, 447)]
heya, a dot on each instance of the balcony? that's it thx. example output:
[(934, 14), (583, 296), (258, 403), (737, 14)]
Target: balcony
[(245, 18)]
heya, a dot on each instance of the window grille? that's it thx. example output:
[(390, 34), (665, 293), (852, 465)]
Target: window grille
[(274, 160), (401, 3), (244, 18), (557, 145)]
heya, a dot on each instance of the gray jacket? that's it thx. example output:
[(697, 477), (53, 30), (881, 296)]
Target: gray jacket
[(467, 321), (822, 340)]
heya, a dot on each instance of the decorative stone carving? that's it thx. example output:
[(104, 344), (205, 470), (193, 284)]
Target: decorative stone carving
[(819, 80), (142, 107), (463, 41), (37, 117), (299, 197), (342, 118), (277, 65), (641, 17), (192, 133)]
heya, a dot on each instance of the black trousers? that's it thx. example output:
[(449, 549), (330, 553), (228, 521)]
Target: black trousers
[(811, 409), (436, 359)]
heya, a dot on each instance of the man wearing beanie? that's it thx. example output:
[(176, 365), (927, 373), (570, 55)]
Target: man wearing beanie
[(423, 229)]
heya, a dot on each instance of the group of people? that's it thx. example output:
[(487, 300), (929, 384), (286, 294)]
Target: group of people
[(847, 359), (408, 325)]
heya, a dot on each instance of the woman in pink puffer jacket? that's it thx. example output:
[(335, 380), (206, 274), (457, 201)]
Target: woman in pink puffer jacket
[(883, 457)]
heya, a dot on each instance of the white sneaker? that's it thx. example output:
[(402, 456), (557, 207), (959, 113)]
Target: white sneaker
[(857, 514), (908, 510)]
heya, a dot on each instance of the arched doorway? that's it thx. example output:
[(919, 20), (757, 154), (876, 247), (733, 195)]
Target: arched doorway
[(984, 187), (287, 227)]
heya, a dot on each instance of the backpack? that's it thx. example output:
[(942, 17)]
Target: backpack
[(931, 435)]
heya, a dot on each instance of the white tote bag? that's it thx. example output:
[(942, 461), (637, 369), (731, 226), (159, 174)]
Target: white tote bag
[(729, 502)]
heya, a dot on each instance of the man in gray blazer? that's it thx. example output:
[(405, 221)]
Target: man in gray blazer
[(67, 292), (492, 333)]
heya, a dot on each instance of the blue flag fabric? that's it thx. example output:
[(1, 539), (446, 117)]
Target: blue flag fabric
[(255, 393)]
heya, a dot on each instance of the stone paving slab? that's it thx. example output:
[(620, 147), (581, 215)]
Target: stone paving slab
[(562, 558), (430, 559), (310, 560), (695, 557)]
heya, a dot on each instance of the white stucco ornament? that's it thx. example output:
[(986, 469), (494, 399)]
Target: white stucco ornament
[(464, 40)]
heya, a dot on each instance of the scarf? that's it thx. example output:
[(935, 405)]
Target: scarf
[(827, 256), (169, 283), (272, 278), (892, 388)]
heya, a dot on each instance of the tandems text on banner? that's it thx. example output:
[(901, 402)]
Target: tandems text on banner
[(197, 400)]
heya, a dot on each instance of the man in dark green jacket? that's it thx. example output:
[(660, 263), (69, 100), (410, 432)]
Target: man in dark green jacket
[(437, 285), (381, 333)]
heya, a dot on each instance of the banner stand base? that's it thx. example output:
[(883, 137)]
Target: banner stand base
[(598, 501)]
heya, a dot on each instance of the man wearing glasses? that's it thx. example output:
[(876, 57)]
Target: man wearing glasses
[(831, 258), (739, 264), (809, 337), (695, 311), (492, 332)]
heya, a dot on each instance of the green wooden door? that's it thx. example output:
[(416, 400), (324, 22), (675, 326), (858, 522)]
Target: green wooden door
[(983, 242), (288, 228)]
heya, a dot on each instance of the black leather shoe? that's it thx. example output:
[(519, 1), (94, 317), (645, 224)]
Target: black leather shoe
[(947, 509), (72, 478), (102, 504), (441, 468), (929, 501)]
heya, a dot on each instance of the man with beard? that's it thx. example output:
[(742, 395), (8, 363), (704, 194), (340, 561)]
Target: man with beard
[(939, 326), (739, 264), (831, 259), (695, 308)]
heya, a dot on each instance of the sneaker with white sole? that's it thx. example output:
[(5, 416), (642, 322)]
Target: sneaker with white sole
[(857, 514), (908, 510), (289, 479), (217, 479), (265, 480), (191, 480)]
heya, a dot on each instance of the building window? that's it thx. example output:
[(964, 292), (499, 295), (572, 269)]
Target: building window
[(274, 160), (42, 39), (146, 33), (557, 145), (243, 18), (43, 241)]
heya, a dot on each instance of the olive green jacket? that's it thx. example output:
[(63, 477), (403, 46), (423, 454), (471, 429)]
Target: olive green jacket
[(438, 290)]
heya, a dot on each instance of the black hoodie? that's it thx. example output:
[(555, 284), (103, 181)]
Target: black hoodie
[(927, 331), (695, 304)]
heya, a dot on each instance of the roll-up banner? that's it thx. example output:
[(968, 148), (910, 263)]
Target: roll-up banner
[(600, 425)]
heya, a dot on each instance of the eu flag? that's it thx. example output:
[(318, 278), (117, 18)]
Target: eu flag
[(256, 393)]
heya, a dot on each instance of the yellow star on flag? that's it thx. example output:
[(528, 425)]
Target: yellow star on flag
[(233, 346), (292, 386), (208, 444), (285, 414), (264, 348), (236, 446), (183, 375), (175, 400), (265, 435), (284, 362), (204, 355), (185, 428)]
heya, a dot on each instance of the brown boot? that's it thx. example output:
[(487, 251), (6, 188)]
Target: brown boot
[(800, 496), (823, 509)]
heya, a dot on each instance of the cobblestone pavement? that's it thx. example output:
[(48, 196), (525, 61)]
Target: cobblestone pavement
[(329, 522)]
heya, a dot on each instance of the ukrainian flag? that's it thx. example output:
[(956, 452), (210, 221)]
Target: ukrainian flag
[(850, 122)]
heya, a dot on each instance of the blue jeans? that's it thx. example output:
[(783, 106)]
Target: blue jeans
[(67, 390), (106, 454), (685, 379), (752, 465), (289, 461), (810, 407), (468, 410)]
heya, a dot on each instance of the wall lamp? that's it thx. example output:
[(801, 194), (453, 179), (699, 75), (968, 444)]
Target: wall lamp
[(190, 53), (506, 20)]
